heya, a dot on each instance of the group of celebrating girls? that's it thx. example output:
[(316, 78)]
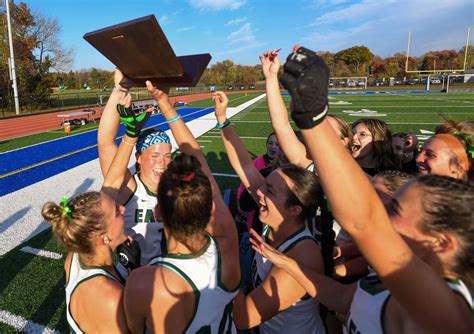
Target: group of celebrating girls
[(350, 227)]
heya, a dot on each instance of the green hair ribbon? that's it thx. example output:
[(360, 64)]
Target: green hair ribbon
[(66, 209), (468, 142)]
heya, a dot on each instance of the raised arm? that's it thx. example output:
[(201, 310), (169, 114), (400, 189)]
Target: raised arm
[(109, 126), (358, 209), (118, 169), (289, 143), (222, 225), (237, 154)]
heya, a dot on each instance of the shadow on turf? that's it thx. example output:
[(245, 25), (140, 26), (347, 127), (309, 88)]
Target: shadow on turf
[(13, 219), (83, 187)]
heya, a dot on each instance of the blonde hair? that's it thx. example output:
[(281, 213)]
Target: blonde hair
[(76, 230)]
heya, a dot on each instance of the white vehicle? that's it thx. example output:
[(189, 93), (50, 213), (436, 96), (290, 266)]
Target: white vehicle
[(435, 81)]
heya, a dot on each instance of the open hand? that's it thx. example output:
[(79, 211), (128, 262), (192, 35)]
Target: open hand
[(133, 123), (262, 248)]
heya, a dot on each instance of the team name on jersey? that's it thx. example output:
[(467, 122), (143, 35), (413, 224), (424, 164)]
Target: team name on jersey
[(144, 216)]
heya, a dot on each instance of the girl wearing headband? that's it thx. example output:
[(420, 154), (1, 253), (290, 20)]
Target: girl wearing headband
[(444, 154), (138, 191), (91, 227), (191, 288)]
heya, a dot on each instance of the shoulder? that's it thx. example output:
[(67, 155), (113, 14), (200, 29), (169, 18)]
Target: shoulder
[(306, 252), (101, 295)]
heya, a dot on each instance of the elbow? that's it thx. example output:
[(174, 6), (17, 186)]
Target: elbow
[(241, 321)]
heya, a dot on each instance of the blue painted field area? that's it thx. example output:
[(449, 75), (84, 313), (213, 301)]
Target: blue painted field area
[(65, 153)]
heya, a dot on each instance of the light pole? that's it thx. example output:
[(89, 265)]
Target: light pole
[(12, 60)]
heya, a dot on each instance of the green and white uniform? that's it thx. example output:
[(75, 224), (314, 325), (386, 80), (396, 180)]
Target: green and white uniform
[(303, 315), (213, 302), (79, 273), (141, 223), (368, 305)]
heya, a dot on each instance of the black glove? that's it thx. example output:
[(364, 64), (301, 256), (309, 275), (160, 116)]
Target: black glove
[(129, 254), (133, 122), (306, 77)]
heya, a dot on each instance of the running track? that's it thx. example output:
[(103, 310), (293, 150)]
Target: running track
[(26, 166)]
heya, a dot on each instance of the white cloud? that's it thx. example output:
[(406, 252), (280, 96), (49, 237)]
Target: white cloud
[(164, 20), (244, 34), (183, 29), (216, 4), (383, 26), (236, 21)]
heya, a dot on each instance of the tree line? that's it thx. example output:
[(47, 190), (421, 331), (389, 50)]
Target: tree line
[(42, 62)]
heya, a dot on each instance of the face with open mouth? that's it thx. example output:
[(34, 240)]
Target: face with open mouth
[(153, 162), (435, 158), (362, 142), (272, 198), (273, 149)]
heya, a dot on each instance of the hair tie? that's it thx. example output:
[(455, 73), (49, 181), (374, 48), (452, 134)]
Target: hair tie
[(66, 209), (188, 177)]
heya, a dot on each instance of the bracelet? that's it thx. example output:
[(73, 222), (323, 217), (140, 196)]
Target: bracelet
[(174, 119), (223, 125), (120, 89), (126, 142)]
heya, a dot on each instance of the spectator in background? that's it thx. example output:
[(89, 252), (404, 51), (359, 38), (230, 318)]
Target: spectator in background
[(405, 146)]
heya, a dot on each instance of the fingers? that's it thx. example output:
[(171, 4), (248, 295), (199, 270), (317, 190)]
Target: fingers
[(152, 89)]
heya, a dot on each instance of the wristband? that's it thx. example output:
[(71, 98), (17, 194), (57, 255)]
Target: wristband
[(126, 142), (174, 119), (223, 125)]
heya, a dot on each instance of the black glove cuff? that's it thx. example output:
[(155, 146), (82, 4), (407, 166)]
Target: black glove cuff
[(309, 120)]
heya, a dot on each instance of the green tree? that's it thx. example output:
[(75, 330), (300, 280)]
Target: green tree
[(354, 57)]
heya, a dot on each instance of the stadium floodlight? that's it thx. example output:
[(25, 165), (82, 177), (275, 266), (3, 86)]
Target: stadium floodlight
[(439, 70)]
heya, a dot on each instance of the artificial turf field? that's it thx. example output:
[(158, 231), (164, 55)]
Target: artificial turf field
[(32, 287)]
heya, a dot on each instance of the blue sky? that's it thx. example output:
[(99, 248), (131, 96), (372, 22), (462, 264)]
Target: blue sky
[(241, 29)]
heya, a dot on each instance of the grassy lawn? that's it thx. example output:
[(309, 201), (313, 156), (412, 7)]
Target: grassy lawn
[(33, 287)]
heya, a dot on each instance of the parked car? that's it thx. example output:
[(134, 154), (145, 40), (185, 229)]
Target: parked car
[(252, 86), (242, 87), (351, 83), (435, 81), (230, 87), (361, 84)]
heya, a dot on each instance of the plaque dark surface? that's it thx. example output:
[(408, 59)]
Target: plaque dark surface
[(142, 52)]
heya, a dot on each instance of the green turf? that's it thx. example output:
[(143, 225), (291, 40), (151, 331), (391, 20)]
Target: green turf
[(11, 144), (33, 287)]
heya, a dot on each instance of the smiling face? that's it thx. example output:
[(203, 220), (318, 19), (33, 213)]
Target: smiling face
[(273, 149), (435, 158), (153, 162), (362, 142), (273, 197)]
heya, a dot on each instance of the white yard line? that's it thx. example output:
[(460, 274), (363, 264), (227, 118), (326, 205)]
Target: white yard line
[(20, 211), (23, 325), (41, 252)]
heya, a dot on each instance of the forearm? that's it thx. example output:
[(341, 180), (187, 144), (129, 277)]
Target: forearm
[(289, 143), (116, 174), (359, 207), (241, 160), (326, 290), (107, 132)]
